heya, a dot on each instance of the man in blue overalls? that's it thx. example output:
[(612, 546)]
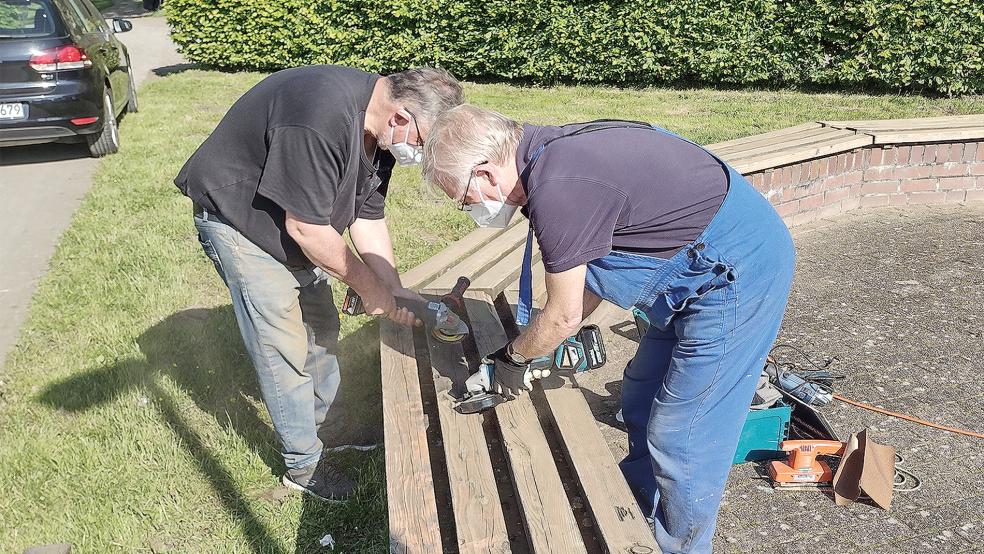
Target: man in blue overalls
[(638, 216)]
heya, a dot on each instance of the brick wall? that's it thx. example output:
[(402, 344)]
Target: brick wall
[(947, 172)]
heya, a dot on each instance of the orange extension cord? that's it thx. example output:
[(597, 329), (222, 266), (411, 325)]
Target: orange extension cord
[(908, 418)]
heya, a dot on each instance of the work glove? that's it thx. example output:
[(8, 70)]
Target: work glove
[(508, 377)]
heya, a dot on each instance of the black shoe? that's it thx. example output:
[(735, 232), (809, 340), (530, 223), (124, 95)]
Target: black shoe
[(321, 481)]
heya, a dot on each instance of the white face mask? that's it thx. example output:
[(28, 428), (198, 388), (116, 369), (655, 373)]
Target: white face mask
[(406, 154), (491, 213)]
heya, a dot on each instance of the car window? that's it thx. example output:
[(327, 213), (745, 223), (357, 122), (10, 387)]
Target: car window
[(94, 14), (80, 15), (27, 19)]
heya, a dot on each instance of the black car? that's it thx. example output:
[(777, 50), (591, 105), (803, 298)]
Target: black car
[(63, 75)]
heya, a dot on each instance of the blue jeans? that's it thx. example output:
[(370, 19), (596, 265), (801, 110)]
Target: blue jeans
[(289, 325), (715, 309)]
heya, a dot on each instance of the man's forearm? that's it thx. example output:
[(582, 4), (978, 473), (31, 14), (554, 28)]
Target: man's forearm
[(328, 250), (544, 333), (371, 238)]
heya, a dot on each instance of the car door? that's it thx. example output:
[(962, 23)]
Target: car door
[(90, 39), (114, 54)]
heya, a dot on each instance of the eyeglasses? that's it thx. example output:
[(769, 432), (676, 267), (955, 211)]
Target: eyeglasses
[(420, 139), (471, 175)]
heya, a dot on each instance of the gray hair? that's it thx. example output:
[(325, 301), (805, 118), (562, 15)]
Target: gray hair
[(427, 92), (464, 137)]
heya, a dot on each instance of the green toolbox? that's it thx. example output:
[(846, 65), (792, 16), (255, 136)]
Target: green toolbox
[(762, 433)]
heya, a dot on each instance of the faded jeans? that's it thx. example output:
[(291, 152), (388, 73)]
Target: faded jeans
[(289, 325)]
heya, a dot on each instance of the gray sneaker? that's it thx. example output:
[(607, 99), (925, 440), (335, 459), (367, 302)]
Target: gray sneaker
[(320, 480)]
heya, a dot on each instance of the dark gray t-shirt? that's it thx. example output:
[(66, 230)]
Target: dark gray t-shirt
[(293, 142), (630, 189)]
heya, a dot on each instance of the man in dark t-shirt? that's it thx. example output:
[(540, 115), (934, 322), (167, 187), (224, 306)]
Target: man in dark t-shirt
[(642, 218), (301, 157)]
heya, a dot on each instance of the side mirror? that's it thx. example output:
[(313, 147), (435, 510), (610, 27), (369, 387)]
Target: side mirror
[(121, 25)]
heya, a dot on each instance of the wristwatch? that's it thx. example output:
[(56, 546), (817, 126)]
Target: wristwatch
[(515, 357)]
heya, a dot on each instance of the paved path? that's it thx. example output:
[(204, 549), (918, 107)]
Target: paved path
[(42, 185)]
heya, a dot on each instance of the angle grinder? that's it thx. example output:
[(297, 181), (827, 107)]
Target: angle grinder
[(443, 318)]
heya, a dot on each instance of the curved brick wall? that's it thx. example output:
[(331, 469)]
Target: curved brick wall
[(889, 175)]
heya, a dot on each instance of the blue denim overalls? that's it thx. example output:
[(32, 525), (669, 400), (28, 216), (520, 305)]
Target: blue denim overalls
[(715, 309)]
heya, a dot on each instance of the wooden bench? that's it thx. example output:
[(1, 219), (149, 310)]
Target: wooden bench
[(534, 474)]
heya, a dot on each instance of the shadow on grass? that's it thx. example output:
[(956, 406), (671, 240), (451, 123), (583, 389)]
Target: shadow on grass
[(200, 351)]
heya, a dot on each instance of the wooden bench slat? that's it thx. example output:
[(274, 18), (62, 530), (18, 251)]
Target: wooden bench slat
[(621, 524), (539, 285), (413, 517), (547, 513), (808, 152), (927, 135), (936, 122), (755, 144), (477, 262), (799, 140), (478, 515), (770, 134), (439, 263), (495, 279)]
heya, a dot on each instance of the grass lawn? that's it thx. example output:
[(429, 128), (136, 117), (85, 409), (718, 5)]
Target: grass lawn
[(129, 415)]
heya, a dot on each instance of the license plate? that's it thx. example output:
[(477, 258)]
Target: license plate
[(13, 111)]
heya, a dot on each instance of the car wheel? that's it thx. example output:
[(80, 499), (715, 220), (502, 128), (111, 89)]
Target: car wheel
[(106, 141), (131, 98)]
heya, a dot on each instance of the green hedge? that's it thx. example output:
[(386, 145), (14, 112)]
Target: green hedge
[(921, 45)]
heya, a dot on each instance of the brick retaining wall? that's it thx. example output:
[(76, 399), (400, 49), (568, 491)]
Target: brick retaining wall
[(891, 175)]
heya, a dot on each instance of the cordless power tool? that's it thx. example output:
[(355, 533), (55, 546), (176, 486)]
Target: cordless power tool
[(443, 318), (581, 352)]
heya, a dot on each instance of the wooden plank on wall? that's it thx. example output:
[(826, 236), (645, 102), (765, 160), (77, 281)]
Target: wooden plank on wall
[(762, 136), (754, 144), (792, 142), (409, 483), (477, 262), (799, 154), (926, 135), (912, 123), (478, 515), (547, 514)]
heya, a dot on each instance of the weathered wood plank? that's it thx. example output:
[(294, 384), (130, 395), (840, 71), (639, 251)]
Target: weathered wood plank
[(761, 144), (776, 159), (478, 261), (762, 136), (495, 279), (620, 523), (912, 123), (478, 516), (547, 514), (539, 285), (409, 483), (439, 263), (791, 142), (927, 135)]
